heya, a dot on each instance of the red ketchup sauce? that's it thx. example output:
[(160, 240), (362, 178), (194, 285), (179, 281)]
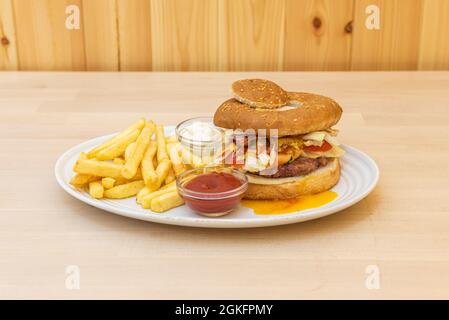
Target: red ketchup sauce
[(209, 184)]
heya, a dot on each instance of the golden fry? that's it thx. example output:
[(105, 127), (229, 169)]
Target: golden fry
[(145, 191), (129, 150), (119, 160), (107, 182), (148, 173), (169, 185), (145, 201), (98, 168), (166, 202), (96, 190), (138, 125), (171, 139), (178, 165), (150, 124), (80, 180), (162, 171), (125, 190), (161, 146), (142, 193), (170, 177), (118, 148), (120, 180), (133, 162)]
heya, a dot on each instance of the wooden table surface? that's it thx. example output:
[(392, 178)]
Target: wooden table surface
[(399, 232)]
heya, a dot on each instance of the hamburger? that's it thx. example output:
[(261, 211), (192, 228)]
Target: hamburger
[(307, 149)]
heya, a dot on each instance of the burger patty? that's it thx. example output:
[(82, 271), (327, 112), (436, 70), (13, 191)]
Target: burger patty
[(299, 167)]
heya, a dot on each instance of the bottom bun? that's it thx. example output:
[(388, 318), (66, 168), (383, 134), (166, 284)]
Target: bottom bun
[(319, 180)]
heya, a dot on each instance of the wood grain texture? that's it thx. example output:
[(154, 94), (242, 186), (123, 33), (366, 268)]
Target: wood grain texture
[(8, 48), (251, 34), (401, 227), (43, 42), (184, 34), (434, 46), (395, 46), (101, 35), (226, 35), (134, 34), (315, 36)]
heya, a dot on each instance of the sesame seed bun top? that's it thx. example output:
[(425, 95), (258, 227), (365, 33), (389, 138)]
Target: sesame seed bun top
[(306, 113), (259, 93)]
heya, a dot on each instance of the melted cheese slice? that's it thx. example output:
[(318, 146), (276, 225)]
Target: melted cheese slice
[(271, 181)]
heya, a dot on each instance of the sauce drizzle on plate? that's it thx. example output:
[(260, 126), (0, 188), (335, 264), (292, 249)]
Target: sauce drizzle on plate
[(266, 207)]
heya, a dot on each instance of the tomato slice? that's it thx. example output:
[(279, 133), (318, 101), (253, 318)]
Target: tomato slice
[(326, 146)]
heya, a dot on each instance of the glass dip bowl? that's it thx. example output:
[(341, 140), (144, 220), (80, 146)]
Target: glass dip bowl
[(212, 191), (201, 141)]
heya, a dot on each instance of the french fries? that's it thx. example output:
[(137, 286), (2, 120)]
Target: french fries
[(133, 164), (178, 165), (138, 125), (161, 171), (166, 202), (107, 183), (161, 145), (125, 190), (98, 168), (80, 180), (119, 161), (150, 124), (170, 177), (145, 191), (171, 139), (142, 193), (96, 190), (121, 180), (145, 201), (129, 150), (169, 185), (148, 173), (119, 147)]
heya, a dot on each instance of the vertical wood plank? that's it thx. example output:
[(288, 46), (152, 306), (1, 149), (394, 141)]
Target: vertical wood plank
[(8, 48), (101, 35), (184, 35), (251, 34), (315, 36), (396, 45), (134, 34), (43, 41), (434, 46)]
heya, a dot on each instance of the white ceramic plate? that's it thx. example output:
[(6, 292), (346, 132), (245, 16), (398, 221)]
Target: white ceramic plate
[(359, 176)]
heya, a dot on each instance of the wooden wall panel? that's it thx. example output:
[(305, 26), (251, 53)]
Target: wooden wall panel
[(317, 35), (101, 35), (224, 35), (434, 45), (134, 34), (43, 41), (184, 35), (8, 48), (251, 34), (396, 45)]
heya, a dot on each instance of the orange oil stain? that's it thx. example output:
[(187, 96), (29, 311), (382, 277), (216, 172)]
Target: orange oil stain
[(289, 206)]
